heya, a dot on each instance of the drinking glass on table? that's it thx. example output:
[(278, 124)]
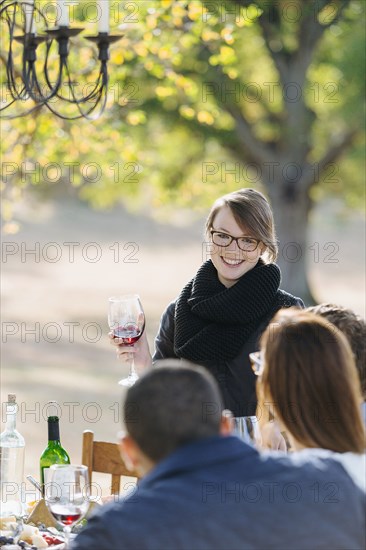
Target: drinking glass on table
[(67, 495), (126, 320), (247, 428)]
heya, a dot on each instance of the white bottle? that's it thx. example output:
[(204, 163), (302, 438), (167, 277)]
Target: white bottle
[(12, 446)]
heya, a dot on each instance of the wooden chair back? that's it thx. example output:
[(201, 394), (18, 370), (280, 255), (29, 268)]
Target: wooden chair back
[(104, 457)]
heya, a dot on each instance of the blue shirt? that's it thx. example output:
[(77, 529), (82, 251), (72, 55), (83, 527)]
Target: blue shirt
[(221, 494)]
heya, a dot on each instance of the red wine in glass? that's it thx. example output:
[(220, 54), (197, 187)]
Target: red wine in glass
[(64, 516), (129, 333), (126, 320), (67, 495)]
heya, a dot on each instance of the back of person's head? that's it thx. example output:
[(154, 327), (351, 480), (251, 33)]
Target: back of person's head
[(310, 378), (173, 404), (354, 329), (252, 213)]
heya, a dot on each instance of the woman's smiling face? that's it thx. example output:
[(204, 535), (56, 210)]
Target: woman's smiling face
[(231, 262)]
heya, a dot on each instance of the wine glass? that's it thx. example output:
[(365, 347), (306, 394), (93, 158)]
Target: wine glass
[(126, 320), (67, 495), (247, 428)]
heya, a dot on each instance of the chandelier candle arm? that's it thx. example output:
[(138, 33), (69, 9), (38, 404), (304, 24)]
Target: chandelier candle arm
[(103, 40), (62, 35)]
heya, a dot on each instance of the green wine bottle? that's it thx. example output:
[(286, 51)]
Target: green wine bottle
[(54, 453)]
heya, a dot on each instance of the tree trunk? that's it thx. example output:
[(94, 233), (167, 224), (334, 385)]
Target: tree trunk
[(291, 209)]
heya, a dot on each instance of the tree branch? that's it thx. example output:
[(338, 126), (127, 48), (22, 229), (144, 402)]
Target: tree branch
[(277, 57), (333, 153), (258, 151), (310, 32)]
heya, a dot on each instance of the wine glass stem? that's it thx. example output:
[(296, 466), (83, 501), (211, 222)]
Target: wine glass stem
[(67, 531), (132, 365)]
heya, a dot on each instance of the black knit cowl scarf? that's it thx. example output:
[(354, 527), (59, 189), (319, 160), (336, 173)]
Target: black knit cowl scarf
[(213, 322)]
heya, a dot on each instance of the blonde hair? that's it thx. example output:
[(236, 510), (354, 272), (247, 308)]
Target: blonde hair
[(309, 366), (252, 213)]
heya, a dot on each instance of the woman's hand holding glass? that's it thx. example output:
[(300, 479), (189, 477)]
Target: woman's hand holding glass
[(126, 320), (140, 351)]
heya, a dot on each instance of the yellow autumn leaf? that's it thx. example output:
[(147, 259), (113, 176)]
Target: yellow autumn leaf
[(136, 118), (151, 22), (140, 49), (205, 117), (148, 64), (180, 81), (226, 34), (208, 35), (232, 73), (154, 48), (227, 55), (178, 10), (164, 91), (177, 21), (117, 57), (164, 53), (186, 112), (195, 10)]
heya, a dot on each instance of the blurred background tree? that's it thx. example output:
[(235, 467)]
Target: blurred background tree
[(207, 97)]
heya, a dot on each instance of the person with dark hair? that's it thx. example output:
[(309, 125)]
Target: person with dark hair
[(197, 414), (309, 377), (354, 329), (204, 489), (217, 319)]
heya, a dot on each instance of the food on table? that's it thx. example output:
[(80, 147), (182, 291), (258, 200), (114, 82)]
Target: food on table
[(5, 520), (32, 535)]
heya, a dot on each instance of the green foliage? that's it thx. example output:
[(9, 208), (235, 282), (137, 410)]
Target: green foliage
[(174, 75)]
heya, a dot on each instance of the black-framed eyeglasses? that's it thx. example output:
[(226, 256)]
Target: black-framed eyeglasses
[(247, 244), (257, 362)]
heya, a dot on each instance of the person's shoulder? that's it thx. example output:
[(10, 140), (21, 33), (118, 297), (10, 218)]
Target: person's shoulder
[(353, 464), (285, 299), (304, 464), (168, 314), (169, 310)]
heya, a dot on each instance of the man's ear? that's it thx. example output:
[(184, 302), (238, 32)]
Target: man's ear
[(227, 422), (129, 453)]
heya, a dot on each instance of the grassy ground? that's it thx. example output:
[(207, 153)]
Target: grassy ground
[(56, 306)]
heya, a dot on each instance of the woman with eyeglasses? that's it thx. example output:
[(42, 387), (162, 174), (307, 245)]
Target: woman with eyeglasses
[(307, 376), (217, 319)]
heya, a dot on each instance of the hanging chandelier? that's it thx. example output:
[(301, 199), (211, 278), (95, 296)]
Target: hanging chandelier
[(37, 79)]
